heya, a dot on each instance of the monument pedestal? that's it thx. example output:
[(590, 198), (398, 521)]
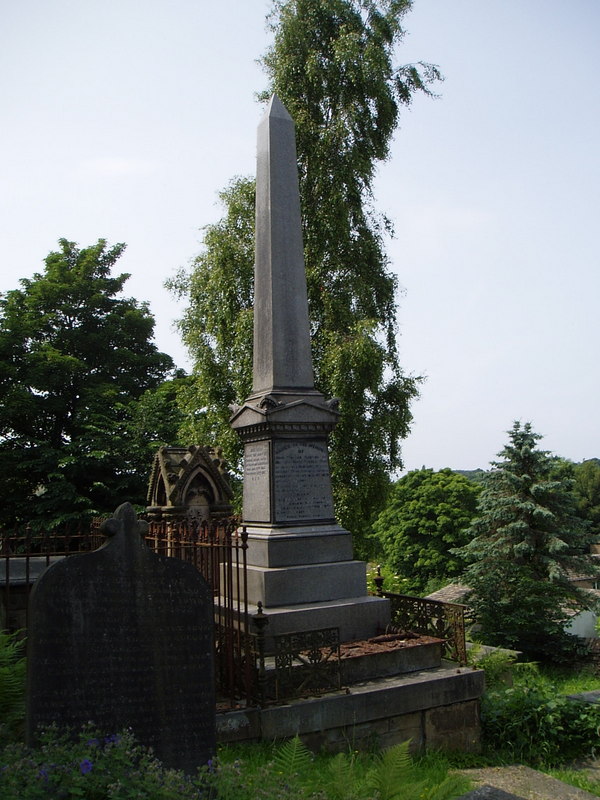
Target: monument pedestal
[(356, 617)]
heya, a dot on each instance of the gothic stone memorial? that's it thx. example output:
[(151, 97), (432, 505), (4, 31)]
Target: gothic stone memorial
[(123, 638)]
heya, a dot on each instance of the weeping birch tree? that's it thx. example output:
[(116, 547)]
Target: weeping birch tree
[(333, 65)]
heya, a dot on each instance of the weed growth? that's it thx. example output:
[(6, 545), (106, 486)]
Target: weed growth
[(107, 768), (12, 687)]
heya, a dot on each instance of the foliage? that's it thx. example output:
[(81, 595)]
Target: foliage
[(587, 490), (585, 478), (425, 516), (566, 680), (95, 767), (217, 326), (74, 358), (156, 419), (331, 64), (12, 686), (526, 543), (530, 722), (497, 664), (106, 768)]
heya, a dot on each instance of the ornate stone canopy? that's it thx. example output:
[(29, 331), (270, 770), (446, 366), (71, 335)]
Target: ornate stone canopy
[(189, 482)]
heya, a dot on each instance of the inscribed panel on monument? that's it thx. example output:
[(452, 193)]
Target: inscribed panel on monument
[(257, 485), (302, 483)]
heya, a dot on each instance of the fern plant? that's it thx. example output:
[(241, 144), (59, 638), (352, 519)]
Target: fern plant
[(292, 757), (12, 687)]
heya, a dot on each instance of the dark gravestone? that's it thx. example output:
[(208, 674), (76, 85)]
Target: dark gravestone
[(123, 638)]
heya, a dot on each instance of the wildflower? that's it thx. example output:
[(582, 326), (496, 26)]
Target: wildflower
[(86, 766), (43, 773)]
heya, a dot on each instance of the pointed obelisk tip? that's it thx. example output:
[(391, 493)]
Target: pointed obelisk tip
[(277, 109)]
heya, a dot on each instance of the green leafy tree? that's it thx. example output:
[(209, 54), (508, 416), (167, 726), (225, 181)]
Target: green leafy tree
[(424, 519), (74, 359), (587, 490), (156, 419), (332, 65), (527, 543)]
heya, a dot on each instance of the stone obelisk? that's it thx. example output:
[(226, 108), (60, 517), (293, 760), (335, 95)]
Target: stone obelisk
[(300, 559)]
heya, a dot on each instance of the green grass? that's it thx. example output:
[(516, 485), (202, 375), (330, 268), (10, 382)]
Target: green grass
[(569, 682), (576, 778)]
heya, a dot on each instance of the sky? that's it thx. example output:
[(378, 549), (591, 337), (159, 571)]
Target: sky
[(123, 120)]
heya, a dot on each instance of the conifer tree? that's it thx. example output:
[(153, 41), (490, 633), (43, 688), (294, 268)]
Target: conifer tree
[(527, 545)]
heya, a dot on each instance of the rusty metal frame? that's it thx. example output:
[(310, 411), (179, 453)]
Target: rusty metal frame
[(433, 618), (307, 663)]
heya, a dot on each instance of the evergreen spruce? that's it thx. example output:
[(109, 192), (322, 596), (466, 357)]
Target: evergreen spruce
[(527, 545)]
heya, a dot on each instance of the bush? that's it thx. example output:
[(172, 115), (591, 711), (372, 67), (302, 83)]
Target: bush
[(92, 767), (530, 722)]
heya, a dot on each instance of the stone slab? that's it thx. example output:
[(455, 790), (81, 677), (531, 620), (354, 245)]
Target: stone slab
[(453, 728), (374, 713), (395, 662), (23, 573), (586, 697), (123, 638), (356, 617), (373, 700), (308, 583), (282, 547)]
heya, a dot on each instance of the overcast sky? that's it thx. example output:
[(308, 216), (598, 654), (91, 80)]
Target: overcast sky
[(123, 119)]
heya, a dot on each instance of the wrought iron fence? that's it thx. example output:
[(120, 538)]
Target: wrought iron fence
[(216, 548), (431, 617), (307, 663)]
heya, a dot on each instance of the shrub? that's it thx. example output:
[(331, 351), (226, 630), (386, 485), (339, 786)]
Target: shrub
[(532, 723), (92, 767)]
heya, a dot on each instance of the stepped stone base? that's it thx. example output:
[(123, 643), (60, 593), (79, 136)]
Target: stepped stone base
[(436, 709), (286, 586), (356, 617), (310, 544)]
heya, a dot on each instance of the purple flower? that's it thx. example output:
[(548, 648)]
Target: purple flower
[(43, 773), (86, 766)]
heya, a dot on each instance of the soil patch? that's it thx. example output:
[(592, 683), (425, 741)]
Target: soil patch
[(386, 643)]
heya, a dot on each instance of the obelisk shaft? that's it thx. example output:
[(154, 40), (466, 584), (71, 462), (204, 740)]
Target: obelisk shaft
[(282, 356)]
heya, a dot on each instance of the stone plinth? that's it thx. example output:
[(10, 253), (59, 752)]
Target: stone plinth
[(438, 709)]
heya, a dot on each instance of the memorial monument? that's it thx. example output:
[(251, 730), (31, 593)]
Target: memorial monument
[(300, 559)]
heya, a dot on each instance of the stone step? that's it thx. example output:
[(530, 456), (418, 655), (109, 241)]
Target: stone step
[(436, 709), (360, 660)]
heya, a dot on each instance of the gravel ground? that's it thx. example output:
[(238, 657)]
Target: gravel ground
[(530, 784)]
